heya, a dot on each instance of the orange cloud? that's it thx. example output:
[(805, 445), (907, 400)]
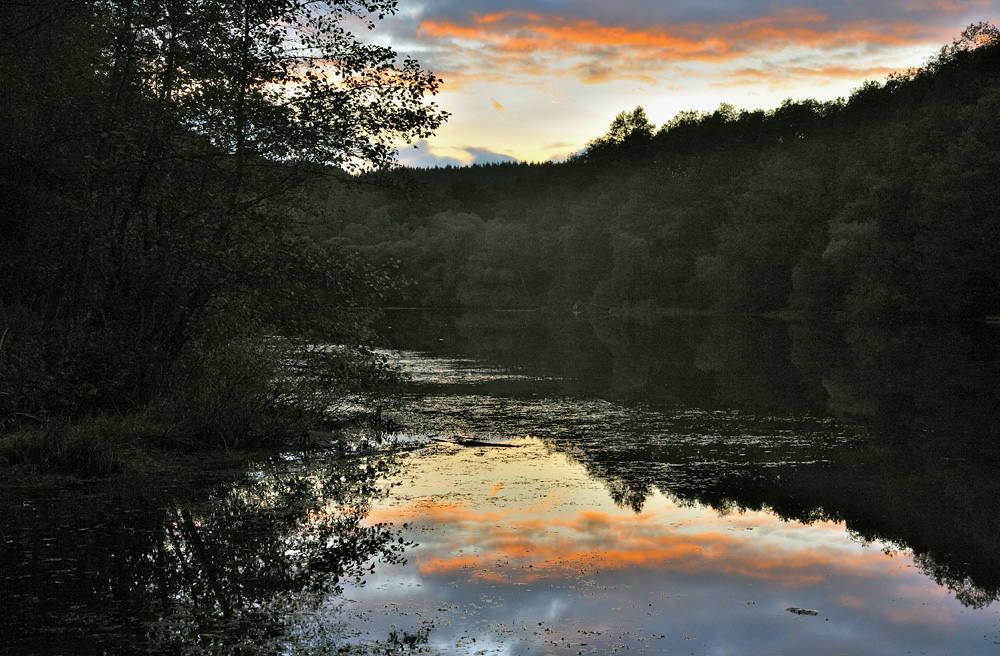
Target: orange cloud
[(522, 32), (787, 76), (521, 45), (519, 32), (843, 72)]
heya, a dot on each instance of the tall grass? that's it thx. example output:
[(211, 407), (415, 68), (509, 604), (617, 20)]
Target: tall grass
[(96, 447)]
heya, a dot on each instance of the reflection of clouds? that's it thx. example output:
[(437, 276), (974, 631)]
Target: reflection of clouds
[(919, 616), (539, 529), (927, 614), (536, 548), (552, 563)]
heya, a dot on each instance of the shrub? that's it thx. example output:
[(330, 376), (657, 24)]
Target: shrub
[(253, 391)]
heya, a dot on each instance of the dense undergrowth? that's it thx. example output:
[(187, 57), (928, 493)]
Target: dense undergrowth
[(247, 394)]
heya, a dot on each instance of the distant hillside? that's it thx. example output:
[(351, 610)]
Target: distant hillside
[(885, 203)]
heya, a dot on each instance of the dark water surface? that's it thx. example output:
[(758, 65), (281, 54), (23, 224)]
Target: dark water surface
[(563, 487)]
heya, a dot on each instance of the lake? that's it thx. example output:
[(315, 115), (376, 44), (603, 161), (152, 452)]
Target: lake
[(550, 484)]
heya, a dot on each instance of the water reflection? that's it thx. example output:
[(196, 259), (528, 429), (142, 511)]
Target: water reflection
[(908, 380), (531, 554), (900, 380), (236, 566), (891, 429), (572, 487)]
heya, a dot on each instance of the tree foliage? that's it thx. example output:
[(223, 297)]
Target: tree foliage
[(880, 204), (154, 153), (627, 133)]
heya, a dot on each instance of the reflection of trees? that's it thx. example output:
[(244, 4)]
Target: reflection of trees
[(965, 588), (899, 380), (906, 380), (652, 361), (908, 462), (627, 491), (940, 509), (250, 568), (930, 395), (924, 398), (933, 501), (749, 360), (703, 362), (268, 551)]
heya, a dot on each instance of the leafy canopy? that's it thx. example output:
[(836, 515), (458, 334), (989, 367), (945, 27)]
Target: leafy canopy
[(152, 155), (628, 130), (285, 78)]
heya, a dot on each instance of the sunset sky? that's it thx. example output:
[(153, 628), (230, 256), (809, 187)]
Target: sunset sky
[(534, 80)]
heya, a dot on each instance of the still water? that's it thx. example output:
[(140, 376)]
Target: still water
[(559, 486)]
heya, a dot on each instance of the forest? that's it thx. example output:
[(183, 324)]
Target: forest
[(223, 430), (153, 157), (883, 204), (198, 198)]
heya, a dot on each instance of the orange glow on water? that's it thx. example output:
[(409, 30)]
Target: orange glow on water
[(559, 548), (525, 543), (513, 522)]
